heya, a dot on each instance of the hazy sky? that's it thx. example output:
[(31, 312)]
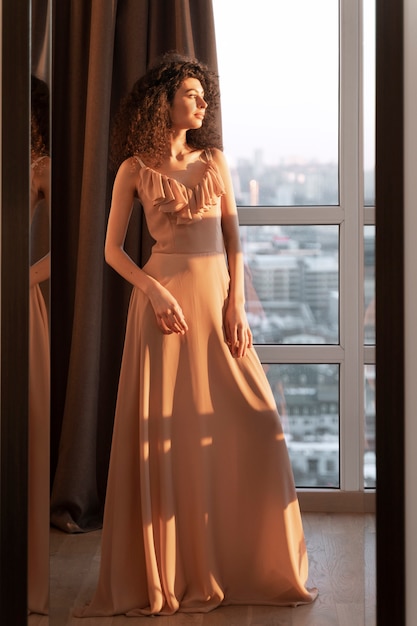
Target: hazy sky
[(278, 65)]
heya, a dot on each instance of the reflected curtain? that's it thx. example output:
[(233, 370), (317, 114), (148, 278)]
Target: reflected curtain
[(99, 49), (40, 39)]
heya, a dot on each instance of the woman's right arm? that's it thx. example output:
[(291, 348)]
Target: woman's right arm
[(168, 313), (120, 212)]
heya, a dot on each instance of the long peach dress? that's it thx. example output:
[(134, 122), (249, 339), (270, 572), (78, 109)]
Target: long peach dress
[(201, 508)]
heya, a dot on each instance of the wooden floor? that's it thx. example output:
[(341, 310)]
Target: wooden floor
[(342, 565)]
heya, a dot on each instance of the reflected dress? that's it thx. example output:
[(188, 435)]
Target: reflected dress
[(201, 509), (38, 440)]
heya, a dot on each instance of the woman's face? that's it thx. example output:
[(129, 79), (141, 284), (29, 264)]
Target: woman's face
[(188, 107)]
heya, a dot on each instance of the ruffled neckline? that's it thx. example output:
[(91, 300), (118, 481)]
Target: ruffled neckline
[(186, 204)]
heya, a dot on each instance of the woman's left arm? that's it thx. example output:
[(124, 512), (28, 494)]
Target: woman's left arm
[(237, 331)]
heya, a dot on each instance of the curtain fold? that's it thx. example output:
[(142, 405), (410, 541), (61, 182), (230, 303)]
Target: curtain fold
[(40, 39), (99, 49)]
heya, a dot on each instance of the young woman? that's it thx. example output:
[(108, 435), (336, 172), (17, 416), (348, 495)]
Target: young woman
[(201, 508)]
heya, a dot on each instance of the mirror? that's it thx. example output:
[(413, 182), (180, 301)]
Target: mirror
[(15, 315)]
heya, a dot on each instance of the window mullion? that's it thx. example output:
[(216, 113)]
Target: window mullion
[(351, 236), (290, 215)]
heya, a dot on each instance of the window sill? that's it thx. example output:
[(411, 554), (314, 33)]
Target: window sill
[(336, 501)]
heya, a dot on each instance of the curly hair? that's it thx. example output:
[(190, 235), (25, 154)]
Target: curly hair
[(39, 116), (142, 124)]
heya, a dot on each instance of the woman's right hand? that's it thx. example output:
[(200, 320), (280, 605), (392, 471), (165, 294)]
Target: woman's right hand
[(168, 313)]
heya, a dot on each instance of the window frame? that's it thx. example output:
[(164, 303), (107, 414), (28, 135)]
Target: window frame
[(350, 216)]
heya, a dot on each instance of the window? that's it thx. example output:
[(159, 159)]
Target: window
[(280, 99), (292, 283), (298, 115)]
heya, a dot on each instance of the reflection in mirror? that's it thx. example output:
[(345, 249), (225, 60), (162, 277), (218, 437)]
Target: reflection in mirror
[(39, 360), (39, 344)]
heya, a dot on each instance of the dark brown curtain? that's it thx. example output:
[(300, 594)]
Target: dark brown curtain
[(99, 49)]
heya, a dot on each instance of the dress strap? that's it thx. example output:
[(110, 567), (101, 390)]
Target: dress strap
[(208, 155), (38, 160), (139, 160)]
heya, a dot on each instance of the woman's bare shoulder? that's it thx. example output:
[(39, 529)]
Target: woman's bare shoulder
[(219, 158), (128, 170), (130, 166), (42, 165)]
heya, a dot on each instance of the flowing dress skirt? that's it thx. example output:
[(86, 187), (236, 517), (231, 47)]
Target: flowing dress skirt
[(39, 453), (201, 508)]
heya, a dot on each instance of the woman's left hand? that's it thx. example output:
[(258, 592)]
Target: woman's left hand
[(237, 331)]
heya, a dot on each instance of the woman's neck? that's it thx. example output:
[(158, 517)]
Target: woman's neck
[(178, 147)]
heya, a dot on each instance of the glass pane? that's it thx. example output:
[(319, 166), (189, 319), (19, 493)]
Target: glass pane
[(369, 462), (292, 283), (369, 285), (369, 100), (279, 80), (307, 398)]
